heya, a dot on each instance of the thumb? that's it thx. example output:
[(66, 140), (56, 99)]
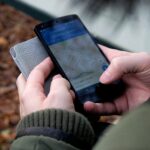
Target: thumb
[(122, 65)]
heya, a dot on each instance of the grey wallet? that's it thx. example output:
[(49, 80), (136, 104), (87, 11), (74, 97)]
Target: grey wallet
[(27, 55)]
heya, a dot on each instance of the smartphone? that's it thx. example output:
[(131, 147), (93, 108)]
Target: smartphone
[(78, 58)]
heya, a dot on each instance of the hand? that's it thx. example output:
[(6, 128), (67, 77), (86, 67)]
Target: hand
[(31, 92), (134, 70)]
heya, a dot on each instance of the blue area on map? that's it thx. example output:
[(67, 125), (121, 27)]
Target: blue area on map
[(62, 32)]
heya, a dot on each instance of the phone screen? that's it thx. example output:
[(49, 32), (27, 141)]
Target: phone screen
[(76, 53)]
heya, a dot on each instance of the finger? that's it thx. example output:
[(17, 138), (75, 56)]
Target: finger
[(112, 53), (39, 74), (57, 76), (59, 83), (120, 66), (67, 86), (21, 83), (100, 108), (72, 94)]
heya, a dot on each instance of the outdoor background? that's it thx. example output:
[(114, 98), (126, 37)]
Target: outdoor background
[(14, 28), (123, 24)]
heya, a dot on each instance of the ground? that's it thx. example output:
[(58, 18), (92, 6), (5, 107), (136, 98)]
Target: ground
[(14, 28)]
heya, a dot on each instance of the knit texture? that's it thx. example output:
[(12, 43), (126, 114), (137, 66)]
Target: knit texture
[(66, 121)]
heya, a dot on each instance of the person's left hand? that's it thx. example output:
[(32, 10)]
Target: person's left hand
[(31, 92)]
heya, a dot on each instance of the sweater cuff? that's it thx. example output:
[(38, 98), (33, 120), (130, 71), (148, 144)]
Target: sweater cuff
[(70, 127)]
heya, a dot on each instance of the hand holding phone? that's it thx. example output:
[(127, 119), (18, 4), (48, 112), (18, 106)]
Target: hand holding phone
[(78, 58), (135, 73)]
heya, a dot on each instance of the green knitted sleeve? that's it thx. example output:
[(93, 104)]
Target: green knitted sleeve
[(70, 128)]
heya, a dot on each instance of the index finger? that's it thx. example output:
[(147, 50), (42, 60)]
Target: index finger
[(39, 74)]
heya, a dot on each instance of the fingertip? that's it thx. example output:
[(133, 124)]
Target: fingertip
[(62, 82), (47, 59), (89, 106), (105, 78), (46, 65), (58, 82), (57, 76), (106, 50), (48, 62), (104, 47), (40, 72)]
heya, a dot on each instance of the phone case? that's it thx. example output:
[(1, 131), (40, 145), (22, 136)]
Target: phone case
[(27, 55)]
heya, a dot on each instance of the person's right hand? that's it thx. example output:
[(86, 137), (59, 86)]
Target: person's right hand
[(134, 70)]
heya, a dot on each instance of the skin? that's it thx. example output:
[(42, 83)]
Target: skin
[(132, 68), (31, 92)]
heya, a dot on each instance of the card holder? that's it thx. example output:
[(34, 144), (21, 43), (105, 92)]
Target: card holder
[(29, 54)]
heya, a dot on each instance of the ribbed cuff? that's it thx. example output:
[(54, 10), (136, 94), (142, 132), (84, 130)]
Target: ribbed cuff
[(71, 123)]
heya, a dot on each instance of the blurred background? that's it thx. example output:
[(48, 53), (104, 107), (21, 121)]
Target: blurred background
[(122, 24), (14, 28)]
